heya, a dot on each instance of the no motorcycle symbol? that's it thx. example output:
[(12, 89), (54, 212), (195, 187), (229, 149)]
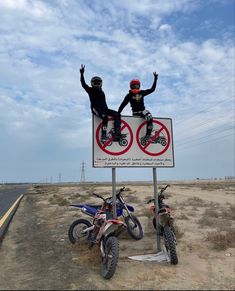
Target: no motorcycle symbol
[(118, 147), (159, 141)]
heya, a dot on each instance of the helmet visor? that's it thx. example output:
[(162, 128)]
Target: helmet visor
[(135, 86)]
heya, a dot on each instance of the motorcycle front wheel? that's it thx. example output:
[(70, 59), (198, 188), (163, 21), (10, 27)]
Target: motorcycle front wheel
[(170, 244), (75, 232), (134, 227), (109, 261)]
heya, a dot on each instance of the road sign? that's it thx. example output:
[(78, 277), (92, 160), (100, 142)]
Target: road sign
[(133, 150)]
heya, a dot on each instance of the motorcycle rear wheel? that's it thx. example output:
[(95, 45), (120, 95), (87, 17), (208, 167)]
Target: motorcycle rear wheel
[(170, 245), (109, 262), (75, 231), (134, 227)]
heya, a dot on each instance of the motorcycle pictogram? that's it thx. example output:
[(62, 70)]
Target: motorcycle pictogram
[(161, 139), (122, 141)]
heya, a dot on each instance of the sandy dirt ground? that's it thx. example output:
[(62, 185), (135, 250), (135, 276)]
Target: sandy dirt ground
[(36, 253)]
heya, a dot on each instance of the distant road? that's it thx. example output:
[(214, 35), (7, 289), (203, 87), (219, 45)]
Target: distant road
[(9, 195)]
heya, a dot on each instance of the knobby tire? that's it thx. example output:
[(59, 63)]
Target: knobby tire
[(170, 245), (109, 263), (130, 220), (73, 226)]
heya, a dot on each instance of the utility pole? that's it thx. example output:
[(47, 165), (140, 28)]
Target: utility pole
[(83, 179), (59, 177)]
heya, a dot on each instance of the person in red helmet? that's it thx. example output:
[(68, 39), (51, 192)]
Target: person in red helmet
[(99, 106), (136, 99)]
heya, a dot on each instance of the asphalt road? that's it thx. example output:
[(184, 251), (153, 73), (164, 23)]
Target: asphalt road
[(8, 195)]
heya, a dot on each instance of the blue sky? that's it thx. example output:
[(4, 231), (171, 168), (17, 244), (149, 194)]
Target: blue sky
[(45, 119)]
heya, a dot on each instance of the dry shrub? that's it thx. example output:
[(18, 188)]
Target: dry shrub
[(182, 216), (219, 218), (178, 232), (56, 199), (194, 201), (221, 241), (229, 213)]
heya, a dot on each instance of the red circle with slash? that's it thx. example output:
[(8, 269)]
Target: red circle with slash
[(144, 148), (103, 146)]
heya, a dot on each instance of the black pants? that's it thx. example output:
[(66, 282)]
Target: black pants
[(104, 116)]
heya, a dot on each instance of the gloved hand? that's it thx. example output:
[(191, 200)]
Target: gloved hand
[(155, 75), (82, 69)]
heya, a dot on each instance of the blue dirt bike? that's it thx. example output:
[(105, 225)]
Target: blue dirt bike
[(133, 225)]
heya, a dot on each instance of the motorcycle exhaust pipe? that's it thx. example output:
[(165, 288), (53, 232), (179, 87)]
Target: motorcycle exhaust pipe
[(88, 229)]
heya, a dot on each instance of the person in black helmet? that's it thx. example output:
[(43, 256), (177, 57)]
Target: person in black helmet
[(99, 106), (136, 99)]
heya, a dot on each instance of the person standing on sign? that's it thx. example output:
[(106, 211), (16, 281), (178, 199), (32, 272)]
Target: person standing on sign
[(99, 106), (136, 99)]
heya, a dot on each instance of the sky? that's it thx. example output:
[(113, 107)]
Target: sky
[(45, 118)]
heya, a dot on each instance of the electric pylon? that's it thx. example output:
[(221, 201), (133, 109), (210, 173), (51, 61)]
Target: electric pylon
[(83, 179)]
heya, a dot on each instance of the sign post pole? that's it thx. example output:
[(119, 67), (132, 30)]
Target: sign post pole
[(156, 208), (114, 192)]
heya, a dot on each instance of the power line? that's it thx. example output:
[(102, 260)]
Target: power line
[(210, 132), (195, 144), (205, 110)]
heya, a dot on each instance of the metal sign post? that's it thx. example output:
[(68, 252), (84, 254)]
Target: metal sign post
[(156, 208), (114, 192)]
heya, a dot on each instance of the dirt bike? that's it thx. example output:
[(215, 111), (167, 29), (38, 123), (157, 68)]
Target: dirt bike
[(103, 231), (134, 227), (166, 227)]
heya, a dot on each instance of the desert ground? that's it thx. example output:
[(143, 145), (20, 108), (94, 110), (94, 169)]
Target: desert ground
[(37, 255)]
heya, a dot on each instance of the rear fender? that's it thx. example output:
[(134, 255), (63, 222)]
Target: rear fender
[(77, 205), (164, 218)]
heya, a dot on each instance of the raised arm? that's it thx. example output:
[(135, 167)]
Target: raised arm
[(82, 79), (152, 89)]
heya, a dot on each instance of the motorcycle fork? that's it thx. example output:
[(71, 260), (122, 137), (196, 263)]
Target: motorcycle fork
[(102, 248), (126, 208)]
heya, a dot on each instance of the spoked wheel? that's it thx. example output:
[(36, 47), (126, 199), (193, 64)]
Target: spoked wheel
[(109, 261), (75, 232), (170, 244), (134, 227)]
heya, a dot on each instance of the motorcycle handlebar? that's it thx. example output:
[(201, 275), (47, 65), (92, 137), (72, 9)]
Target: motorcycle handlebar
[(164, 188), (160, 195), (97, 195), (150, 200)]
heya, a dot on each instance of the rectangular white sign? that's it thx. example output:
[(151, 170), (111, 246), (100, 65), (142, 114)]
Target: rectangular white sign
[(133, 150)]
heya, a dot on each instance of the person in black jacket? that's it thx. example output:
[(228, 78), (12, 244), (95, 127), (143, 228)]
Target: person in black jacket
[(136, 99), (99, 106)]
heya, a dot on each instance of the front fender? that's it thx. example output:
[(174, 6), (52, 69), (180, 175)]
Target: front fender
[(114, 227), (130, 208)]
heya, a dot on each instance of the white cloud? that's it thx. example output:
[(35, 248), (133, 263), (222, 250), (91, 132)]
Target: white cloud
[(34, 8), (165, 27)]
